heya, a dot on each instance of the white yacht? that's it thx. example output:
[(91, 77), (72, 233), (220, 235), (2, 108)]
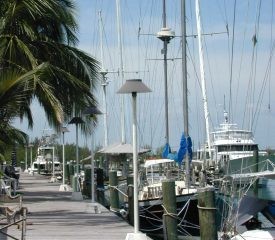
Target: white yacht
[(230, 144), (44, 161)]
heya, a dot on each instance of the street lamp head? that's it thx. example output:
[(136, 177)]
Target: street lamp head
[(64, 129), (134, 86), (76, 120), (92, 111)]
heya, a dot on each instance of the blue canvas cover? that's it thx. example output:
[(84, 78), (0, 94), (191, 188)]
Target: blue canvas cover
[(182, 149), (166, 150), (189, 148)]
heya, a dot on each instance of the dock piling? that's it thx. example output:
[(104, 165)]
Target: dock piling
[(114, 200), (170, 210), (100, 186), (207, 213), (87, 183)]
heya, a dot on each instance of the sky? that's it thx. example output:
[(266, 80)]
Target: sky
[(238, 74)]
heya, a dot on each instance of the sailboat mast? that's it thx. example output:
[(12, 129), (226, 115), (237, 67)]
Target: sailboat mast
[(184, 87), (165, 35), (121, 71), (202, 72), (165, 43), (104, 83)]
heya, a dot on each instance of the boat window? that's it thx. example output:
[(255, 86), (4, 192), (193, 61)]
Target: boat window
[(231, 148), (232, 135)]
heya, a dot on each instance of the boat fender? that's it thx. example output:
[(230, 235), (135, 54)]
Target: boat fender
[(180, 190), (145, 195), (123, 213)]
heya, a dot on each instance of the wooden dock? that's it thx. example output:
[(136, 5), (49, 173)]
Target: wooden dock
[(53, 215)]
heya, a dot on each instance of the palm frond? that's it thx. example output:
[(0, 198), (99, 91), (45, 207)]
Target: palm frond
[(46, 19), (37, 45)]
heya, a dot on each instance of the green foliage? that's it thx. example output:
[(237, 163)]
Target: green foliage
[(70, 152), (39, 36), (39, 59)]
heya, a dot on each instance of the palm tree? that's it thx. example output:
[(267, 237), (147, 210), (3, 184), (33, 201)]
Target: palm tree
[(12, 104), (40, 36)]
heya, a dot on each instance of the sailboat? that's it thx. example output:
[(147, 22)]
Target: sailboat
[(150, 197), (156, 192), (150, 205)]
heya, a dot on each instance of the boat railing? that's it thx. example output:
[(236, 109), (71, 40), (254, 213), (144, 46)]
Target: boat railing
[(266, 164), (154, 192)]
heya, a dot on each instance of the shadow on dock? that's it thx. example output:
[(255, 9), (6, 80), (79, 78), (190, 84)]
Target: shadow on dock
[(53, 215)]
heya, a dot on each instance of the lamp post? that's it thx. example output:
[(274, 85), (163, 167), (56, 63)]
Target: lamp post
[(76, 121), (135, 86), (53, 178), (30, 146), (76, 194), (64, 186), (26, 158), (92, 111)]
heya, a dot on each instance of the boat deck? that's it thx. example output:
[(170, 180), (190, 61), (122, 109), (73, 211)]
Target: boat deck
[(53, 215)]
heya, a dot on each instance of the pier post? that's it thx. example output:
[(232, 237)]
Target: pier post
[(114, 200), (207, 213), (74, 184), (67, 173), (71, 174), (170, 210), (130, 193), (24, 223), (87, 183), (100, 186)]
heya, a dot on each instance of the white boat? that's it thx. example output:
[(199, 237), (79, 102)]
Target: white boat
[(150, 195), (266, 234), (156, 171), (43, 162), (230, 143), (150, 198)]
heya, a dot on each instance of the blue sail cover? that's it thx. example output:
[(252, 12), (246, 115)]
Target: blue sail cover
[(166, 150), (173, 156), (185, 146), (182, 149), (189, 148)]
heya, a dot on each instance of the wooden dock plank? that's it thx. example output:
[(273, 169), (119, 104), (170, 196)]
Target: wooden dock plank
[(53, 215)]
